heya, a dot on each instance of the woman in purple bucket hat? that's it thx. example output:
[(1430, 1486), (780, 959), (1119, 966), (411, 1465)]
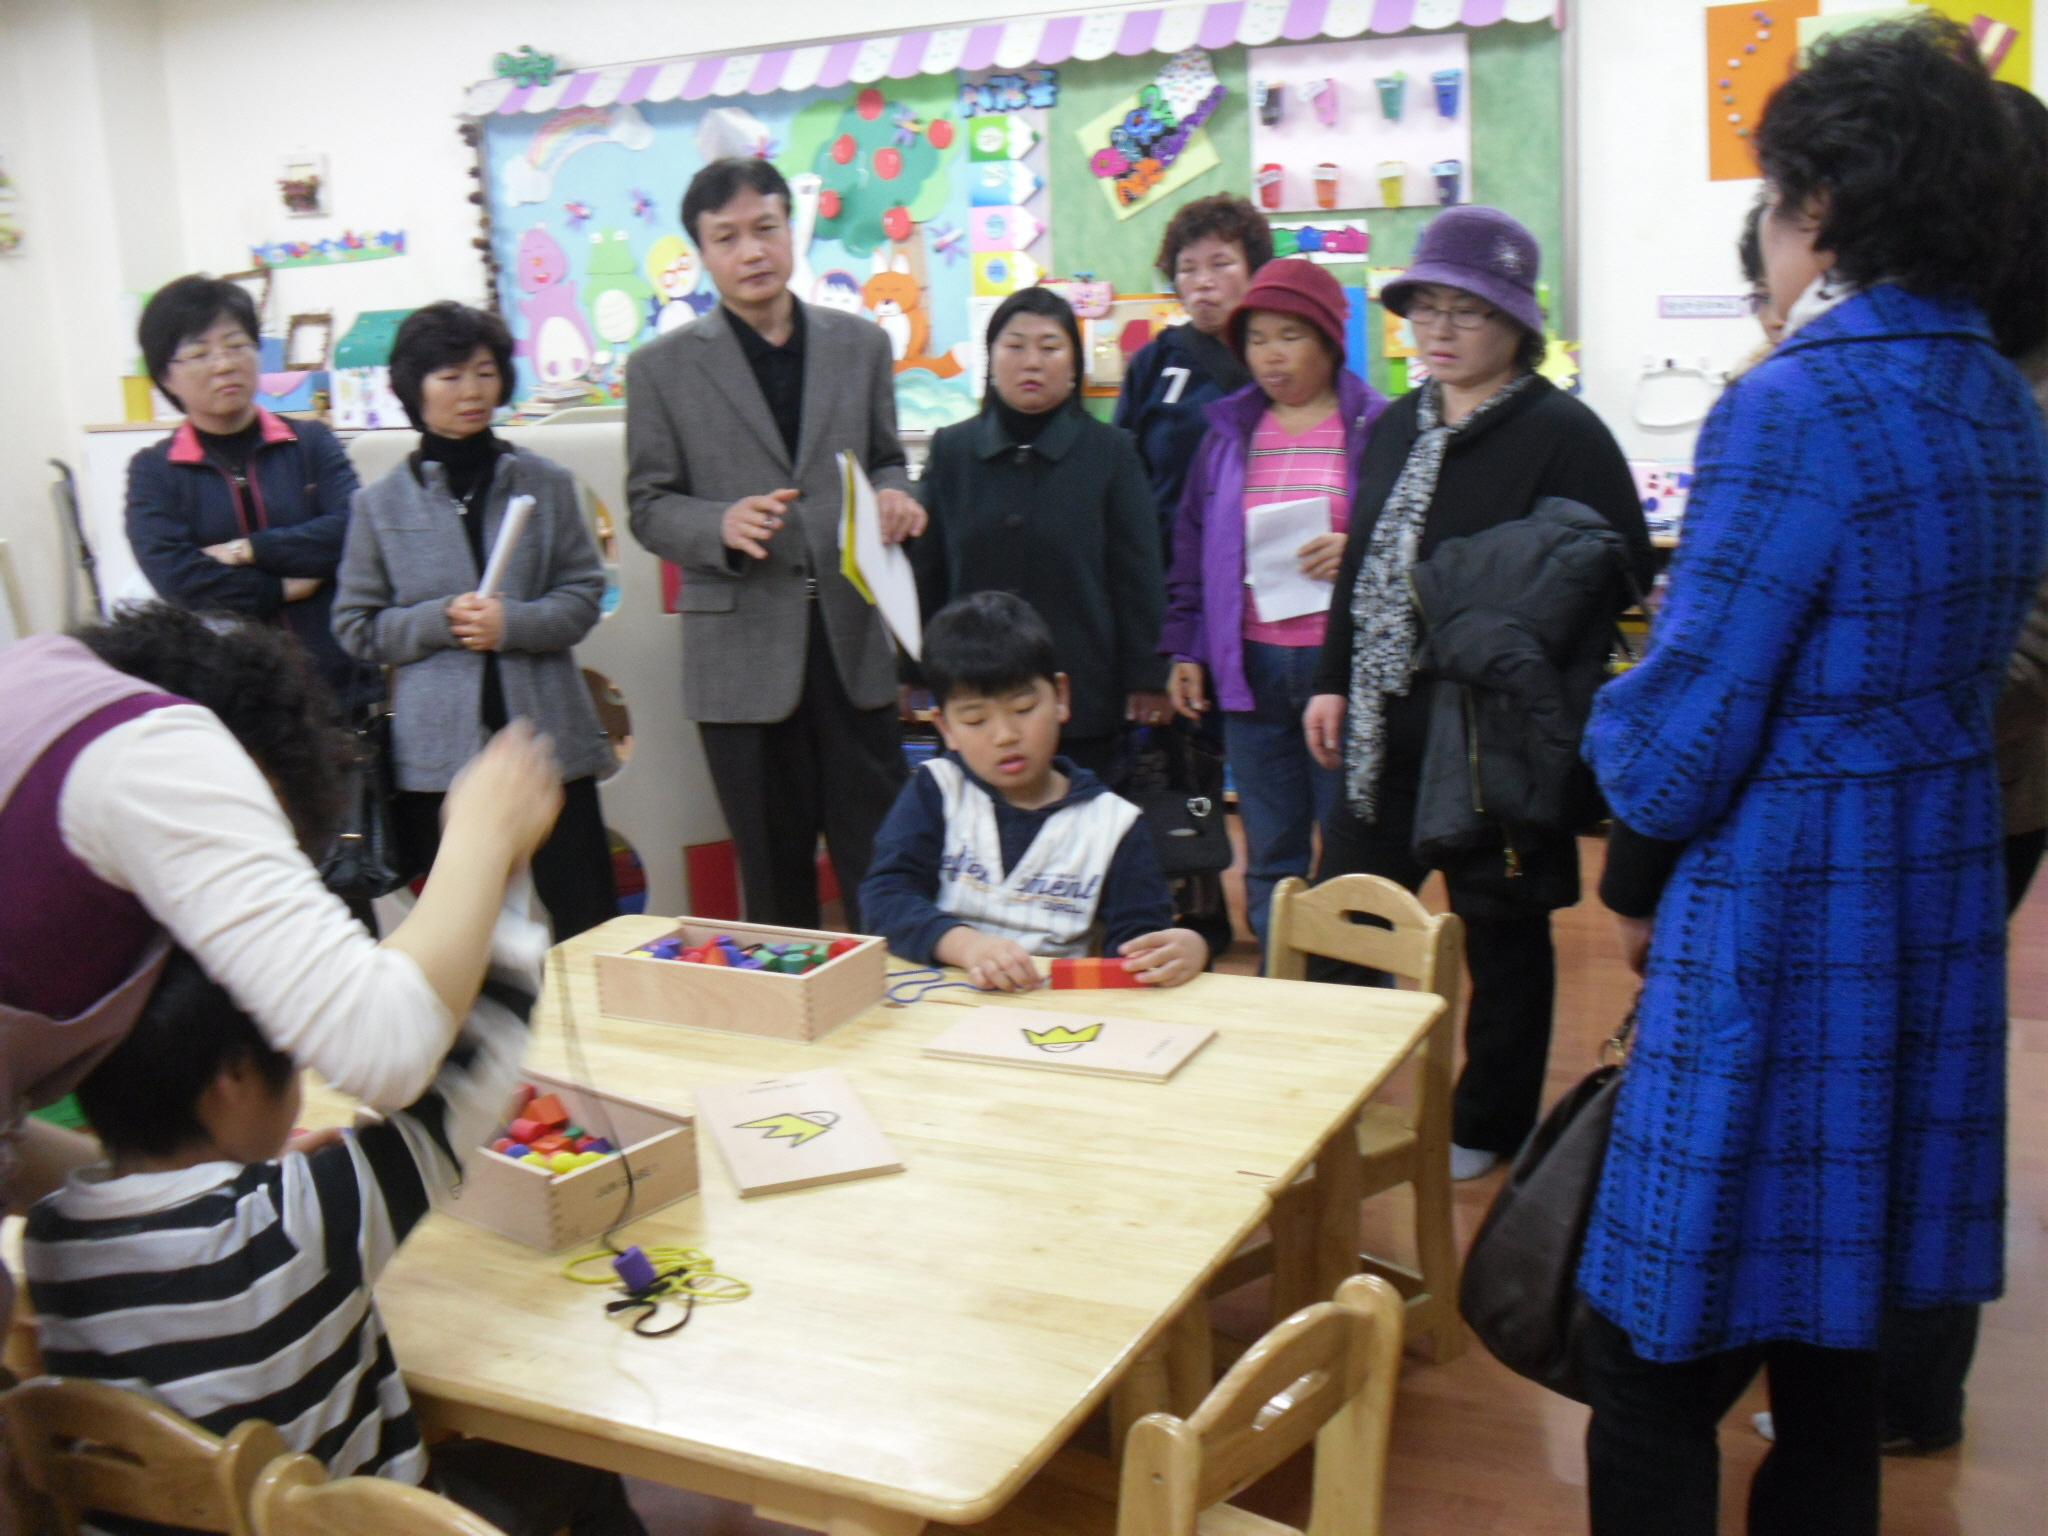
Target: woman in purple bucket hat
[(1477, 446)]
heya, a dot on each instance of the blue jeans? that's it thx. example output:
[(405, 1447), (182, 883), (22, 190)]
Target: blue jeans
[(1281, 794)]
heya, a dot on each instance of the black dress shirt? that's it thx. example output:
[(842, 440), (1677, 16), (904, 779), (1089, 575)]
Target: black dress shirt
[(779, 371)]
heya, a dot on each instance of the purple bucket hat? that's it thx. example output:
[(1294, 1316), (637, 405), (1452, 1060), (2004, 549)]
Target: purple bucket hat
[(1482, 251)]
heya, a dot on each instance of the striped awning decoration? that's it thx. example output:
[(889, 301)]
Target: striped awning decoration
[(999, 45)]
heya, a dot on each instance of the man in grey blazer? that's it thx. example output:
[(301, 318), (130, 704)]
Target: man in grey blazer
[(734, 424)]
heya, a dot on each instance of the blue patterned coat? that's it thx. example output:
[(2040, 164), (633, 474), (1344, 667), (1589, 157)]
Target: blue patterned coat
[(1812, 1124)]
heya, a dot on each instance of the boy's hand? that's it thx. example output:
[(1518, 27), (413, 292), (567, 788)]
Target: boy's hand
[(1166, 958), (993, 964)]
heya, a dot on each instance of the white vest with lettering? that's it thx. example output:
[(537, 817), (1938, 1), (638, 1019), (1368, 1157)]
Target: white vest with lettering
[(1047, 903)]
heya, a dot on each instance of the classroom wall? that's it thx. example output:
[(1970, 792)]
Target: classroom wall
[(145, 134)]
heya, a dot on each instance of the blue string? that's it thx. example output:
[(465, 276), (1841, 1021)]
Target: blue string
[(926, 980)]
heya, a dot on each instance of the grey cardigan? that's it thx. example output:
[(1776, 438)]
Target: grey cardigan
[(699, 437), (407, 555)]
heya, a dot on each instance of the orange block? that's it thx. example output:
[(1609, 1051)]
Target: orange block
[(547, 1146), (546, 1110)]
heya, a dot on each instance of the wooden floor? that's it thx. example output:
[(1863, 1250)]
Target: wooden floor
[(1477, 1451)]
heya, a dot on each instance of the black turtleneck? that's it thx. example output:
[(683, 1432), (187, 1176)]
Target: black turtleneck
[(1024, 426), (467, 463)]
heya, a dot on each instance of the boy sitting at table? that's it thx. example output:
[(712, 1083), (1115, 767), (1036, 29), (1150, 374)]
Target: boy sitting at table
[(999, 851), (222, 1265)]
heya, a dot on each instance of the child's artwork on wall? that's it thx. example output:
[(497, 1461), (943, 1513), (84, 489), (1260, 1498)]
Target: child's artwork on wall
[(1381, 124), (1750, 50), (1152, 144), (586, 219)]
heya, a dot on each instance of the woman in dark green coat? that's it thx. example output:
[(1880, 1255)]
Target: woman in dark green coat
[(1035, 496)]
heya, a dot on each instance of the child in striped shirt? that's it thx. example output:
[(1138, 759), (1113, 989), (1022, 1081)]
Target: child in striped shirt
[(209, 1266)]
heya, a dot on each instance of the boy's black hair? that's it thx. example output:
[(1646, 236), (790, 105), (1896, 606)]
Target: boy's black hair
[(1895, 127), (2018, 303), (445, 335), (184, 308), (986, 643), (1035, 301), (144, 1097), (723, 180)]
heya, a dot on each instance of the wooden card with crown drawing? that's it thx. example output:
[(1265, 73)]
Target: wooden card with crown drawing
[(1100, 1044)]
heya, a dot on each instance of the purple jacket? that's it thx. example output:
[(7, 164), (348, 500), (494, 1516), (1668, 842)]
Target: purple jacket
[(1205, 587)]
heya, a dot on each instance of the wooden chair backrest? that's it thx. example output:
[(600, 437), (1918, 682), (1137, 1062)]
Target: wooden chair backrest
[(1325, 1374), (294, 1498), (88, 1445), (1420, 945)]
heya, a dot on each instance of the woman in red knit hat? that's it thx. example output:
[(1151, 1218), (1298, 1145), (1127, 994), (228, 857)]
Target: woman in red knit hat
[(1291, 436)]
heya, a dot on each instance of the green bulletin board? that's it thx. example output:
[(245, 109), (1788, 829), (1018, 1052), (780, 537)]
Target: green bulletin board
[(1517, 164)]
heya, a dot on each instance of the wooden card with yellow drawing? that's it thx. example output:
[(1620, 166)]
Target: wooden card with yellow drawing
[(1099, 1044), (793, 1132)]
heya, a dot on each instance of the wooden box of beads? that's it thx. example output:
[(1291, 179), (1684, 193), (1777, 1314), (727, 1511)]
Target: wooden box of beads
[(636, 985), (519, 1199)]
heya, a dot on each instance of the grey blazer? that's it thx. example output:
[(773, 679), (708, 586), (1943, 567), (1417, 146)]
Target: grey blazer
[(698, 438), (407, 555)]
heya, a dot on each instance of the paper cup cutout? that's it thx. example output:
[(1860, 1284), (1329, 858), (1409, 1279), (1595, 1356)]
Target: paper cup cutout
[(1268, 183), (1392, 174), (1326, 185), (1393, 90), (1447, 83), (1448, 173)]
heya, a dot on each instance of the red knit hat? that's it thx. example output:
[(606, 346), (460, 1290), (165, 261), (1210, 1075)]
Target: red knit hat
[(1293, 287)]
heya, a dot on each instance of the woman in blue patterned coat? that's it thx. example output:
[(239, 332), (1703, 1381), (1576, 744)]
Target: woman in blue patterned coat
[(1811, 1126)]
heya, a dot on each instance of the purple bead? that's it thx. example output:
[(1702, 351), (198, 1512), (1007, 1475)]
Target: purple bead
[(599, 1144), (634, 1269)]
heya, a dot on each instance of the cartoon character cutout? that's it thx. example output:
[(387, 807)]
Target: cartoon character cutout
[(898, 305), (672, 267), (555, 337), (613, 290), (838, 290)]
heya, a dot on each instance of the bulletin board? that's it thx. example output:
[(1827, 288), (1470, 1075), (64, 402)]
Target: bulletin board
[(922, 196)]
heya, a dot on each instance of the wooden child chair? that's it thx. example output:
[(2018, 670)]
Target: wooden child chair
[(87, 1445), (294, 1498), (1399, 1146), (1325, 1374)]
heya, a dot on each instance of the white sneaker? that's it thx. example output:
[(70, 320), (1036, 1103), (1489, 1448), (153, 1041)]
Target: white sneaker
[(1469, 1163), (1765, 1425)]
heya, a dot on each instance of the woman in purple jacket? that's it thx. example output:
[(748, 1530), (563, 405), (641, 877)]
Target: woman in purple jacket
[(1293, 434)]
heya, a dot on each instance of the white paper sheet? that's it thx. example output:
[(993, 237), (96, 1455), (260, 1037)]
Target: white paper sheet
[(881, 571), (1273, 535), (509, 529)]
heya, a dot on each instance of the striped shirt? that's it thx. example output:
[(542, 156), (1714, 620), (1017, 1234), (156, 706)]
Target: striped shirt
[(1283, 468), (230, 1291)]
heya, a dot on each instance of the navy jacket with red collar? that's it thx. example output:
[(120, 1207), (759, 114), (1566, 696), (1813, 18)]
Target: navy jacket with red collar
[(292, 507)]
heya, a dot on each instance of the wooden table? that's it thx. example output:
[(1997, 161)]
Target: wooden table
[(917, 1345)]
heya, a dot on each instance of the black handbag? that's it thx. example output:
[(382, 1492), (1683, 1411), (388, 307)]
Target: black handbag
[(1178, 787), (364, 861), (1520, 1288)]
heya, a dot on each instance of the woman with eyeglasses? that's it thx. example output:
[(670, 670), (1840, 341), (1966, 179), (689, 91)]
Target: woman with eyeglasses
[(1478, 446), (239, 510)]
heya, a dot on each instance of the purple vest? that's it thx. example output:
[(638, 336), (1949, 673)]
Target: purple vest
[(77, 956)]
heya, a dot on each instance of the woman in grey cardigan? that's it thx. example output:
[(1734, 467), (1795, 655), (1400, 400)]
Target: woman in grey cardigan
[(463, 665)]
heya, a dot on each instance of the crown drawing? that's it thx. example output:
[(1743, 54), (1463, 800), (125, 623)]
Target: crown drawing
[(1061, 1038)]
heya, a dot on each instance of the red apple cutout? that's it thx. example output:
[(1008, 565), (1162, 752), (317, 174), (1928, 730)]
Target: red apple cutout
[(828, 204), (896, 223), (843, 148), (940, 133), (868, 104), (888, 162)]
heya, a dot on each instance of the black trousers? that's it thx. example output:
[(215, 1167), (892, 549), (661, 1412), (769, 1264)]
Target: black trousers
[(1514, 976), (524, 1493), (829, 767), (1653, 1463), (572, 870)]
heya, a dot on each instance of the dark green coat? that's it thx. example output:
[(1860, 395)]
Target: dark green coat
[(1067, 524)]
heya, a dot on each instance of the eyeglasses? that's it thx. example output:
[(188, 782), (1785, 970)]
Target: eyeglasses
[(233, 351), (1463, 319), (1757, 299)]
